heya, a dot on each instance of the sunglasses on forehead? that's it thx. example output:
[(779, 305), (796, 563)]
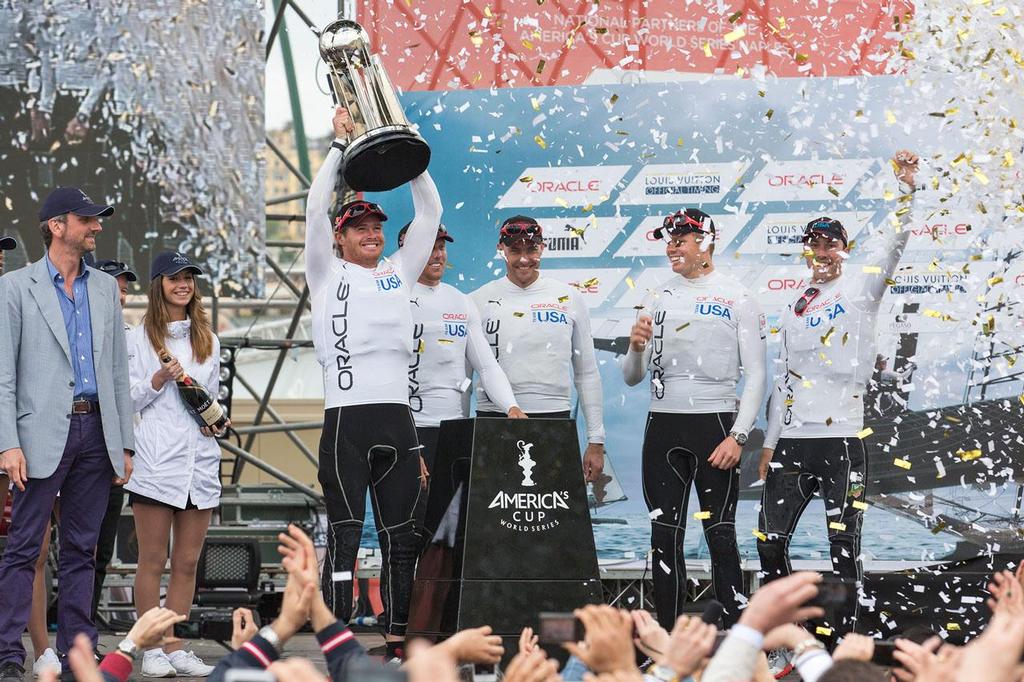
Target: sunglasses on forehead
[(805, 299), (357, 209)]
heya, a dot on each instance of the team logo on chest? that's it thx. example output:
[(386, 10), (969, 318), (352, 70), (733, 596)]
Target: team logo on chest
[(827, 311), (549, 313), (454, 324), (387, 279), (707, 306)]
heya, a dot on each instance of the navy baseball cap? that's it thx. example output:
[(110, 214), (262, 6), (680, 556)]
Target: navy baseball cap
[(8, 243), (689, 221), (442, 233), (64, 200), (116, 268), (169, 263), (520, 228), (829, 227)]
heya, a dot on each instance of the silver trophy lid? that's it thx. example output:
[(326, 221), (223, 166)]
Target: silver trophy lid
[(343, 36)]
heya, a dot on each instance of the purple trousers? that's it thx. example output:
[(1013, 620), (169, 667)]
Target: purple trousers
[(83, 480)]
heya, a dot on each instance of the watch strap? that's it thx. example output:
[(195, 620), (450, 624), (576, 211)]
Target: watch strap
[(128, 648), (268, 633)]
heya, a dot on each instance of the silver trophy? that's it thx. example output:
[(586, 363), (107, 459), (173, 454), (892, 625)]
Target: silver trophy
[(384, 152)]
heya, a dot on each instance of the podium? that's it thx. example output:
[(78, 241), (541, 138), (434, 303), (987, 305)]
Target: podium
[(510, 529)]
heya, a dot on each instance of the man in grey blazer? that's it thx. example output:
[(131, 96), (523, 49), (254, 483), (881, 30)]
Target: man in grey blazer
[(65, 416)]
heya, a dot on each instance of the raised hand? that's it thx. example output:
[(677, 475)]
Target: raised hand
[(608, 643)]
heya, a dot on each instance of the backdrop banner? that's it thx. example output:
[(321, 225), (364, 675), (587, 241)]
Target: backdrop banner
[(599, 166)]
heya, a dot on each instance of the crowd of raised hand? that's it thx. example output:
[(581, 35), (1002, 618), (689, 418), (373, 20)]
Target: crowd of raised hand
[(615, 640)]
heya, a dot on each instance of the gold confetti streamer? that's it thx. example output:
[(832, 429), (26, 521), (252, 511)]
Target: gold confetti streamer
[(901, 463), (864, 433)]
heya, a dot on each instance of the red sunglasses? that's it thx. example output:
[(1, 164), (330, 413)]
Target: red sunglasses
[(357, 209), (805, 299)]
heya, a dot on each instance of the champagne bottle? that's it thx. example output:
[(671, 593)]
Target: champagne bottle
[(203, 407)]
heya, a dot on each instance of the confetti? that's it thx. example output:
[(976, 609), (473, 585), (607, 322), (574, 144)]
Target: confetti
[(563, 299), (702, 515), (864, 433), (683, 326), (836, 525), (952, 626), (823, 631), (733, 36), (759, 535), (857, 504), (872, 269), (901, 463), (968, 455)]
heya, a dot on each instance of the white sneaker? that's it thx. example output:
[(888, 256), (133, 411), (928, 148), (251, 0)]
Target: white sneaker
[(48, 661), (155, 663), (187, 664)]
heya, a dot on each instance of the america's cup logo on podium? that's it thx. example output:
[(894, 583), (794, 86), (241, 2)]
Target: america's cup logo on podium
[(385, 151), (526, 463)]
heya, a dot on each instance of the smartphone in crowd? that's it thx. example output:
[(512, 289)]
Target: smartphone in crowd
[(557, 628), (883, 653), (833, 592)]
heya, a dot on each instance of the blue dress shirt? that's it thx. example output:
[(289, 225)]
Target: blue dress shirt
[(78, 324)]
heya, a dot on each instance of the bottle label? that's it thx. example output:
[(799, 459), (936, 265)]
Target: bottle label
[(212, 414)]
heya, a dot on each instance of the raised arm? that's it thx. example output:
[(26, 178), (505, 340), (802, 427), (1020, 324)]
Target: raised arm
[(638, 356), (419, 241), (481, 359), (752, 357), (893, 238), (319, 235), (585, 373)]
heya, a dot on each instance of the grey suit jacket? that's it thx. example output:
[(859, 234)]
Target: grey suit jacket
[(37, 381)]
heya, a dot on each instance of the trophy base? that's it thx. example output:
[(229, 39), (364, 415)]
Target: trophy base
[(384, 159)]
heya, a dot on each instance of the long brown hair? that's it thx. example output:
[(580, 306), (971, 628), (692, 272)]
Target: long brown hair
[(158, 317)]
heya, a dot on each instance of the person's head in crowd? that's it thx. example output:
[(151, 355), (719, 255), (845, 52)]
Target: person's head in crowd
[(121, 272), (521, 243), (689, 237), (69, 222), (826, 246), (173, 295), (849, 670), (433, 271), (6, 244), (359, 232)]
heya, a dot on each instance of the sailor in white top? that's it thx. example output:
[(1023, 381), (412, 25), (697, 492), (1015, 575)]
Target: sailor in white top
[(816, 410), (696, 334), (448, 346), (362, 333), (539, 331)]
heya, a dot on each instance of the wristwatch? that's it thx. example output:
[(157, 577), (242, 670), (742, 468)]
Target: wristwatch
[(740, 438), (663, 673), (267, 633), (128, 648), (803, 647)]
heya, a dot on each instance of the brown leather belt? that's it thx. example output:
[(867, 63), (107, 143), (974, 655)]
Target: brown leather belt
[(84, 407)]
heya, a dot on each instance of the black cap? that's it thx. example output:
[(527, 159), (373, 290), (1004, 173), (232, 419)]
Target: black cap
[(169, 263), (688, 221), (829, 227), (442, 233), (8, 243), (116, 268), (520, 228), (64, 200)]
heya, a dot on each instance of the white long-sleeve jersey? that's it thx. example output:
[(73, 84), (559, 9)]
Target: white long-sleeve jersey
[(536, 334), (707, 331), (362, 325), (827, 354), (448, 345)]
